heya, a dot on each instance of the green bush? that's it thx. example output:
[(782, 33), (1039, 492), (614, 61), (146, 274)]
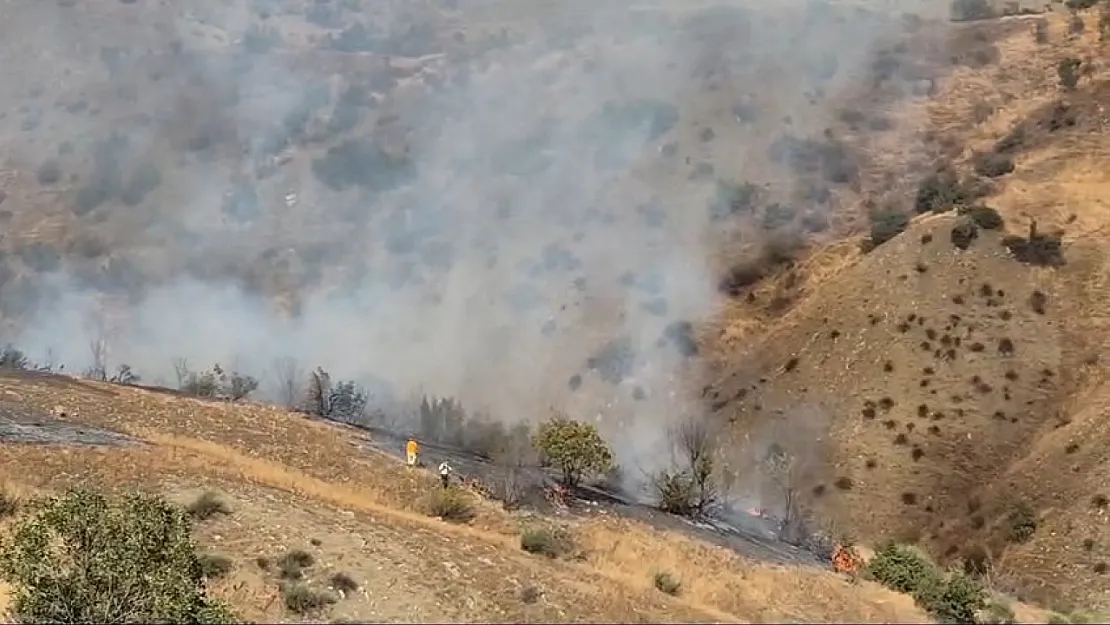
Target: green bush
[(450, 504), (207, 506), (550, 542), (956, 598), (575, 448), (951, 598), (985, 217), (82, 558), (998, 613), (902, 568), (667, 583), (885, 225), (301, 599), (214, 566), (1023, 523)]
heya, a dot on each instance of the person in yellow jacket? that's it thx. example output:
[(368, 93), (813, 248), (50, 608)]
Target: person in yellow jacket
[(412, 450)]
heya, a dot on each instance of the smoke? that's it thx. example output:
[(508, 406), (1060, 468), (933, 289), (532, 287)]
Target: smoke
[(478, 220)]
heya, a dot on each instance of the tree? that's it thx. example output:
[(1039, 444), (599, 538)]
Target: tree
[(288, 375), (782, 470), (691, 488), (81, 558), (340, 402), (575, 448)]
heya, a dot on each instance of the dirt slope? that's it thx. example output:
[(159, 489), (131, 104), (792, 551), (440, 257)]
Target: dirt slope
[(295, 484), (957, 393)]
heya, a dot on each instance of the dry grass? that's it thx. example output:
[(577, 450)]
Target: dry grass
[(619, 588)]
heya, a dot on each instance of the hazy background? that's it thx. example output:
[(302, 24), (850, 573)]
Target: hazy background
[(464, 199)]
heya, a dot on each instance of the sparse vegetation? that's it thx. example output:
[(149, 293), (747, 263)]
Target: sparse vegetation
[(301, 599), (1068, 72), (667, 583), (343, 583), (885, 225), (207, 506), (549, 541), (984, 217), (81, 557), (216, 383), (1036, 249), (214, 566), (450, 504), (1022, 524)]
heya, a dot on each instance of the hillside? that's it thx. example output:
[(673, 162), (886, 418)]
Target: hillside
[(772, 215), (959, 390), (293, 484)]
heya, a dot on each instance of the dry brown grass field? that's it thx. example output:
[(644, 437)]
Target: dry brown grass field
[(941, 386)]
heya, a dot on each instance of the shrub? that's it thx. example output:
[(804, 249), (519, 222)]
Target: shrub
[(291, 564), (208, 505), (82, 558), (691, 489), (992, 164), (12, 358), (968, 10), (450, 504), (1022, 522), (343, 583), (9, 505), (575, 448), (216, 382), (964, 233), (1068, 72), (885, 225), (342, 401), (957, 598), (1037, 249), (985, 217), (997, 613), (667, 583), (938, 192), (951, 598), (300, 599), (547, 541), (902, 568), (214, 566)]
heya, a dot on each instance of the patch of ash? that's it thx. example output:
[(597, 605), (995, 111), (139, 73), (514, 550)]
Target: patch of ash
[(19, 426)]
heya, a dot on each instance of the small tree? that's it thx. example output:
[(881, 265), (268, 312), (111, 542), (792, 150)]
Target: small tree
[(13, 358), (81, 558), (691, 488), (1068, 72), (288, 376), (340, 402), (575, 448), (783, 472)]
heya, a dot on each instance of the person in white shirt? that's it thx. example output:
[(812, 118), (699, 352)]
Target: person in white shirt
[(444, 473)]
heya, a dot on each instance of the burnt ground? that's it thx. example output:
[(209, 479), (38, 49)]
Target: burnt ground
[(743, 533), (19, 425)]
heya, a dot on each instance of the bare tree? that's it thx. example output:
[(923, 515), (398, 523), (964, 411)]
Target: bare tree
[(783, 471), (181, 371), (287, 375), (98, 350), (318, 400), (691, 488)]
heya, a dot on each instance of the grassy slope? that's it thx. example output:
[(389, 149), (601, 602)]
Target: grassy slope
[(290, 481)]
